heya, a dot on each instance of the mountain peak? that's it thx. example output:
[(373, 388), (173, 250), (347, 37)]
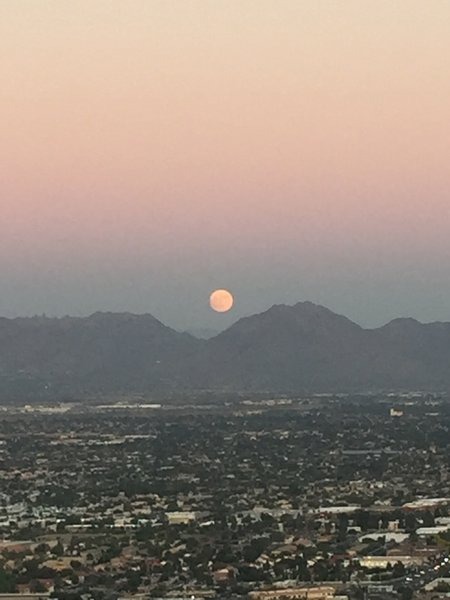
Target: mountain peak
[(301, 347), (402, 323), (282, 321)]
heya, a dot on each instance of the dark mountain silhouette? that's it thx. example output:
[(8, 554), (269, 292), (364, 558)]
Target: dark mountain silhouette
[(103, 352), (203, 333), (308, 347), (305, 347)]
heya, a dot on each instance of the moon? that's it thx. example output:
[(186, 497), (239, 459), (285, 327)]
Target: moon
[(221, 301)]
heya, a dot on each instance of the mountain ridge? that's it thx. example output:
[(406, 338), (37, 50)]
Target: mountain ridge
[(304, 347)]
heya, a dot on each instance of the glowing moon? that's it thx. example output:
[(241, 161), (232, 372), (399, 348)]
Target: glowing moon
[(221, 301)]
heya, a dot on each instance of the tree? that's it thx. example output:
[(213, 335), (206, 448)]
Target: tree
[(406, 593), (7, 582), (37, 587), (58, 549), (255, 549), (398, 570), (428, 519)]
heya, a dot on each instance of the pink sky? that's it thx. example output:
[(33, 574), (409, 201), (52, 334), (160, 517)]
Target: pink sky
[(222, 138)]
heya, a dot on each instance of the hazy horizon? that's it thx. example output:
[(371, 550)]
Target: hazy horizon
[(216, 325), (153, 151)]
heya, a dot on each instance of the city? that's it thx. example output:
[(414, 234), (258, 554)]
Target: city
[(224, 300), (327, 496)]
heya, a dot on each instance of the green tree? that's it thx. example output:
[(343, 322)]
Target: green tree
[(7, 582)]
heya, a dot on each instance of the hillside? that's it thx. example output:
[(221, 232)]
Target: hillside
[(305, 347)]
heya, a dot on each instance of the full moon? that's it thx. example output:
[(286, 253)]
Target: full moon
[(221, 301)]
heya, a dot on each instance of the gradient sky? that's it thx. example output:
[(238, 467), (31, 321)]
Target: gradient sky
[(153, 150)]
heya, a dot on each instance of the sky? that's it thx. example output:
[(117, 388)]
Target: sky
[(154, 150)]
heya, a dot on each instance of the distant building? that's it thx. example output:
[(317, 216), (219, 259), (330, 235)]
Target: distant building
[(436, 530), (382, 562), (336, 510), (304, 593), (426, 503), (395, 412), (181, 517)]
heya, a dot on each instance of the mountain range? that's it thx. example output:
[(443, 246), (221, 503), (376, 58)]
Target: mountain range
[(300, 348)]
